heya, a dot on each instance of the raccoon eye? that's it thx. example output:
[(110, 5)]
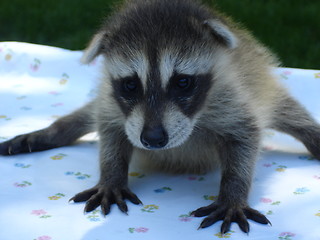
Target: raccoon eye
[(130, 84), (184, 82)]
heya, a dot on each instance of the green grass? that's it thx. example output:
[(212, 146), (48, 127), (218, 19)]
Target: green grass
[(291, 28), (68, 24)]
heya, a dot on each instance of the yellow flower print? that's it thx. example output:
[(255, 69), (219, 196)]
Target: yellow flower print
[(136, 174), (281, 168), (58, 156), (8, 57), (212, 198), (150, 208), (226, 235), (64, 79), (56, 197)]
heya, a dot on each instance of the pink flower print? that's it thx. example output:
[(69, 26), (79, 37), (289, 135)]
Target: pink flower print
[(268, 148), (55, 93), (267, 165), (287, 72), (141, 230), (44, 238), (35, 65), (38, 212), (185, 219), (138, 230), (316, 177), (198, 178), (192, 178), (286, 235), (57, 105), (23, 184), (265, 200), (41, 213)]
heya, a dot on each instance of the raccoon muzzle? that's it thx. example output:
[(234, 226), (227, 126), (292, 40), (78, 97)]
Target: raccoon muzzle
[(154, 137)]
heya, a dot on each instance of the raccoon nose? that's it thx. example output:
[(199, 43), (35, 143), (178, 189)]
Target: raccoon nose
[(154, 137)]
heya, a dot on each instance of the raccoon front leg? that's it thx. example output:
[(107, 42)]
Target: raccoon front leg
[(62, 132), (115, 153), (237, 164), (292, 118)]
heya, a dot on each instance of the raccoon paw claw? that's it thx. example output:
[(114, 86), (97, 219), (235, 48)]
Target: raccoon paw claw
[(14, 146), (31, 142), (240, 215), (105, 196)]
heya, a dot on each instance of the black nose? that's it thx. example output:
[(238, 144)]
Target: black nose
[(154, 137)]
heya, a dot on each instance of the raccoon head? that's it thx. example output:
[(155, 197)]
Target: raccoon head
[(161, 71)]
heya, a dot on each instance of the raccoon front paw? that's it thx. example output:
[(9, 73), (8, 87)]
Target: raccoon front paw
[(216, 212), (19, 144), (105, 196), (31, 142)]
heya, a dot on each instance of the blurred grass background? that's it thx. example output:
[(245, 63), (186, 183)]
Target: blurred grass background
[(290, 28)]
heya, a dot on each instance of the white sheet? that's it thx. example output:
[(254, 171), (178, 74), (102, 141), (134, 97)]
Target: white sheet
[(39, 83)]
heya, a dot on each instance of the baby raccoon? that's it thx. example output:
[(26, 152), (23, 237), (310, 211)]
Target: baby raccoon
[(184, 88)]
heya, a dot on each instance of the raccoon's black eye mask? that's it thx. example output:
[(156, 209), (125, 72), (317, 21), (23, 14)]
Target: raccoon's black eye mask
[(182, 84), (130, 84), (128, 87), (186, 91), (128, 92)]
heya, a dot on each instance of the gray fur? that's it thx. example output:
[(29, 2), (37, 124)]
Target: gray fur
[(206, 86)]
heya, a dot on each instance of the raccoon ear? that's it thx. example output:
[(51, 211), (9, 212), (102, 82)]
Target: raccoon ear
[(94, 48), (222, 32)]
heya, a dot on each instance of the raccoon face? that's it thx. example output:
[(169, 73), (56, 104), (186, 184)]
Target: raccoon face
[(162, 99), (160, 71)]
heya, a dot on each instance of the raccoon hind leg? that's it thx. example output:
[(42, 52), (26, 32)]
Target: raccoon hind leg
[(292, 118), (62, 132)]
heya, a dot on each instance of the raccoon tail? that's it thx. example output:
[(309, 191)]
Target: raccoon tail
[(292, 118), (62, 132)]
